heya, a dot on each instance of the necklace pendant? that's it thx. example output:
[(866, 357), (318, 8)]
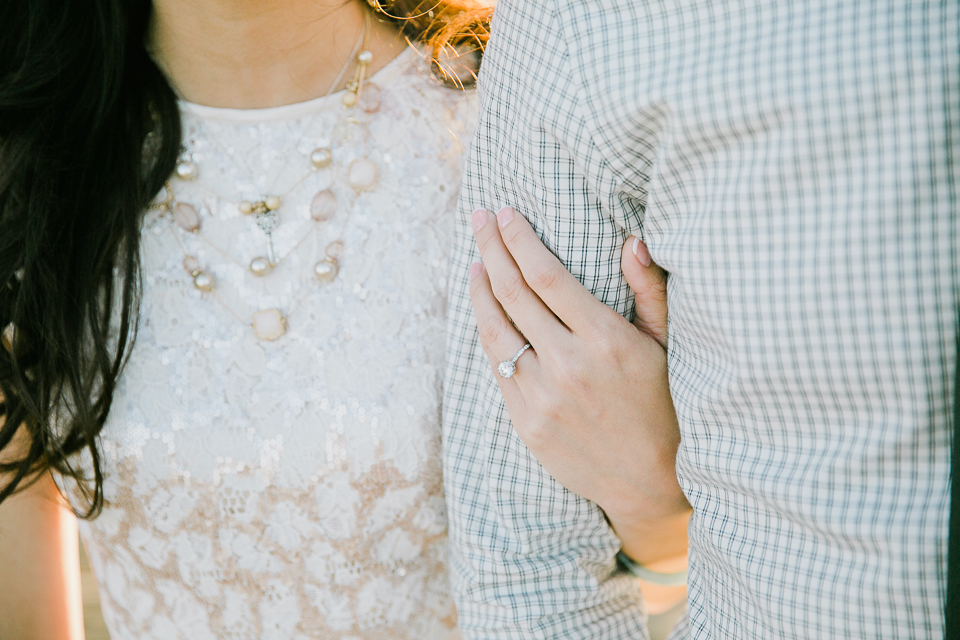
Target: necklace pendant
[(267, 221), (321, 157), (323, 205), (269, 324), (204, 281), (326, 270), (186, 217), (362, 174), (260, 266), (191, 265), (186, 170), (271, 252), (369, 100)]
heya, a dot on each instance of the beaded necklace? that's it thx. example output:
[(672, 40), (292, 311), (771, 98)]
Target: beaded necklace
[(361, 175)]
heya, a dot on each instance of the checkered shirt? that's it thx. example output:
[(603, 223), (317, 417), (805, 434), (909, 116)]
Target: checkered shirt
[(793, 165)]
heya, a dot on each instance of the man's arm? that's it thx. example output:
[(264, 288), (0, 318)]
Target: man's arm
[(529, 559)]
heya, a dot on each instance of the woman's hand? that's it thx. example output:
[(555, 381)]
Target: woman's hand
[(591, 399)]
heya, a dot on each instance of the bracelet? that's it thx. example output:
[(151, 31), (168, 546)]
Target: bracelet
[(677, 579)]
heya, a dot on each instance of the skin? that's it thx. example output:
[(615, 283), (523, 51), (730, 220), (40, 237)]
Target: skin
[(250, 54), (591, 400), (40, 564), (224, 53)]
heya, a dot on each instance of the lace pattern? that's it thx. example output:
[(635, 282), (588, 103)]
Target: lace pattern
[(290, 489)]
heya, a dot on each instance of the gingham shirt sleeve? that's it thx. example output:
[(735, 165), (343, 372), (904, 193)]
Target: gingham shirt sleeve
[(529, 559), (793, 165)]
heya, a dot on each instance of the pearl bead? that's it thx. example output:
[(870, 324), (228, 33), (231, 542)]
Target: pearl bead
[(349, 99), (321, 157), (365, 57), (269, 324), (323, 206), (326, 270), (370, 98), (272, 202), (204, 281), (334, 249), (362, 174), (260, 266), (186, 217), (9, 337), (191, 265), (186, 170), (246, 207)]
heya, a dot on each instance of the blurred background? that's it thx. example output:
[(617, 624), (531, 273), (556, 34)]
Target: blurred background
[(92, 620)]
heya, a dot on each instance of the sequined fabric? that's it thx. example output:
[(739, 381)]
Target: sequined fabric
[(290, 489)]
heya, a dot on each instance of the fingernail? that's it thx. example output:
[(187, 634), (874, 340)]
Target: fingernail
[(640, 250), (479, 219), (505, 216), (475, 270)]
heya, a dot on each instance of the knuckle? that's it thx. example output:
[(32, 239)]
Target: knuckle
[(610, 322), (574, 383), (510, 289), (547, 275), (536, 434), (570, 377), (476, 287), (493, 331), (552, 406), (657, 291), (512, 234), (653, 288), (608, 350), (484, 241), (604, 325), (661, 279), (561, 371)]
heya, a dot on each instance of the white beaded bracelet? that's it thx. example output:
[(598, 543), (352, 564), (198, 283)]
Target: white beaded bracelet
[(677, 579)]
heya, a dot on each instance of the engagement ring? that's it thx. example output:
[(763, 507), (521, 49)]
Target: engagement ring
[(509, 367)]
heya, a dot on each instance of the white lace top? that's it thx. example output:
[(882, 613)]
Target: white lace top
[(290, 489)]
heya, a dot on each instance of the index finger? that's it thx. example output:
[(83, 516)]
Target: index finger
[(545, 274), (531, 315)]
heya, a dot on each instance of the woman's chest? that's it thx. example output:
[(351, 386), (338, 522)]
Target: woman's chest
[(354, 379)]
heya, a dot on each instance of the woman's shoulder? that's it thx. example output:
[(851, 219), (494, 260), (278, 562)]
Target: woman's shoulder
[(417, 74)]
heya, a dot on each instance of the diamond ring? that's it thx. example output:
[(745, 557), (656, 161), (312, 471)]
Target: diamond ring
[(509, 367)]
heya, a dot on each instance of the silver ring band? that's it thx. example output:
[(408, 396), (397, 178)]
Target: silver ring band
[(509, 367)]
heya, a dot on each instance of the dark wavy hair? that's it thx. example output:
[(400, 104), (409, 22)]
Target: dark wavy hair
[(89, 131)]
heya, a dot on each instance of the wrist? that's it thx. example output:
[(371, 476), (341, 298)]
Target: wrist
[(642, 509), (671, 572), (656, 543), (648, 490)]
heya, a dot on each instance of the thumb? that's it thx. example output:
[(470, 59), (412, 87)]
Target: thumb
[(649, 284)]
